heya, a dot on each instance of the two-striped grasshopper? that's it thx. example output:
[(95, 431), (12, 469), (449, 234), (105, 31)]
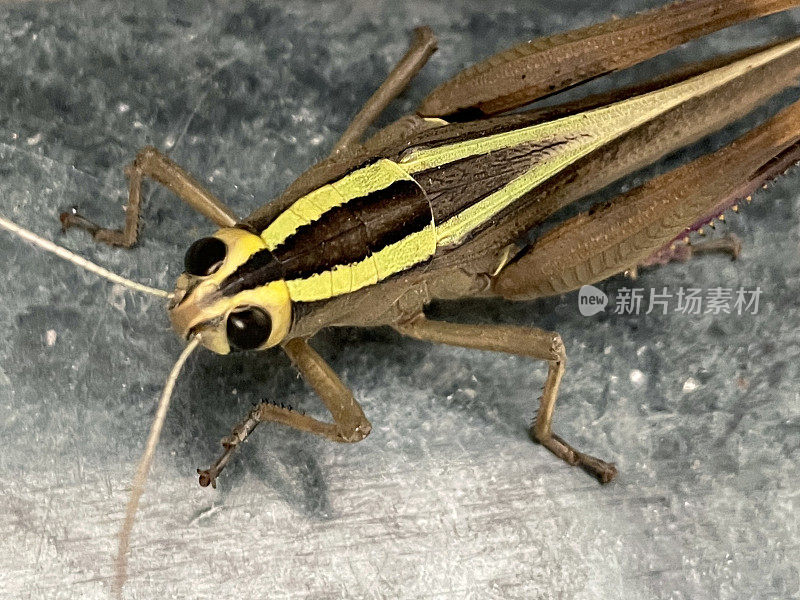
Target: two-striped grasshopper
[(438, 205)]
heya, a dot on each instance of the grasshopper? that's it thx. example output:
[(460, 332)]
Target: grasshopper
[(439, 204)]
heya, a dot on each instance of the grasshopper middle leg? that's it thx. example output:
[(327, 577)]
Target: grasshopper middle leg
[(149, 162), (350, 150), (349, 422), (523, 341), (422, 46)]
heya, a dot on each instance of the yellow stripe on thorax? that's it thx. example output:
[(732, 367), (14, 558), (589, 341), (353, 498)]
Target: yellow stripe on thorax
[(585, 132), (313, 206), (343, 279)]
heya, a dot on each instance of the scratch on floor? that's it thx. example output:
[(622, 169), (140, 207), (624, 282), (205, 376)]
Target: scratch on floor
[(205, 514)]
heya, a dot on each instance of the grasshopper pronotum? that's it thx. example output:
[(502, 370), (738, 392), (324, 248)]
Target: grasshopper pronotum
[(437, 206)]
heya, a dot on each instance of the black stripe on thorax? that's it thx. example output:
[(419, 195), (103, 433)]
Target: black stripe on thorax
[(262, 267), (345, 234), (351, 232)]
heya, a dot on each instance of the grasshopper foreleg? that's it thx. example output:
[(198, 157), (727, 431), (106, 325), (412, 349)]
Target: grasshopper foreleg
[(349, 422), (522, 341), (149, 162)]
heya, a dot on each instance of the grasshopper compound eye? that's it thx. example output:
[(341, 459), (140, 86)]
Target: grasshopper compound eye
[(248, 328), (205, 256)]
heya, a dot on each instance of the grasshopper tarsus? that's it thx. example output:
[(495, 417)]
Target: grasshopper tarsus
[(112, 237), (73, 218), (229, 443), (209, 476), (601, 470)]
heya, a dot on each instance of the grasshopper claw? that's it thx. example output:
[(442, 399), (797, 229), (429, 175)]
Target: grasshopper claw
[(207, 477)]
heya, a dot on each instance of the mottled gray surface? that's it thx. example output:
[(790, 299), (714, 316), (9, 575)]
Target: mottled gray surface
[(447, 498)]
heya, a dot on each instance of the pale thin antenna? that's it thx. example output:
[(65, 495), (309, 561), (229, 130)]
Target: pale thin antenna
[(79, 260), (139, 479)]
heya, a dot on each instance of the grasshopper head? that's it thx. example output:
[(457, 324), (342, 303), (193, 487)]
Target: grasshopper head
[(231, 293)]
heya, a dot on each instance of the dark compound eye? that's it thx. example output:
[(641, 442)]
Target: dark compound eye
[(205, 256), (248, 328)]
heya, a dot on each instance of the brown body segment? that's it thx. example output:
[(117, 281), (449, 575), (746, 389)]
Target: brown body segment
[(456, 186)]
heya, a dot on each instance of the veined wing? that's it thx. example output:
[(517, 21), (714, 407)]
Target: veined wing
[(545, 149)]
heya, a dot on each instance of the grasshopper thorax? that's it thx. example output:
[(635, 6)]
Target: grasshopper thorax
[(231, 293)]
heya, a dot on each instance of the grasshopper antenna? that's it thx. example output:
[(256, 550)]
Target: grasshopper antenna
[(79, 260), (139, 479)]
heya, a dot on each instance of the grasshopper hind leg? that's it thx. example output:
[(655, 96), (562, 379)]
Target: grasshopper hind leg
[(626, 232), (545, 66), (150, 163)]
